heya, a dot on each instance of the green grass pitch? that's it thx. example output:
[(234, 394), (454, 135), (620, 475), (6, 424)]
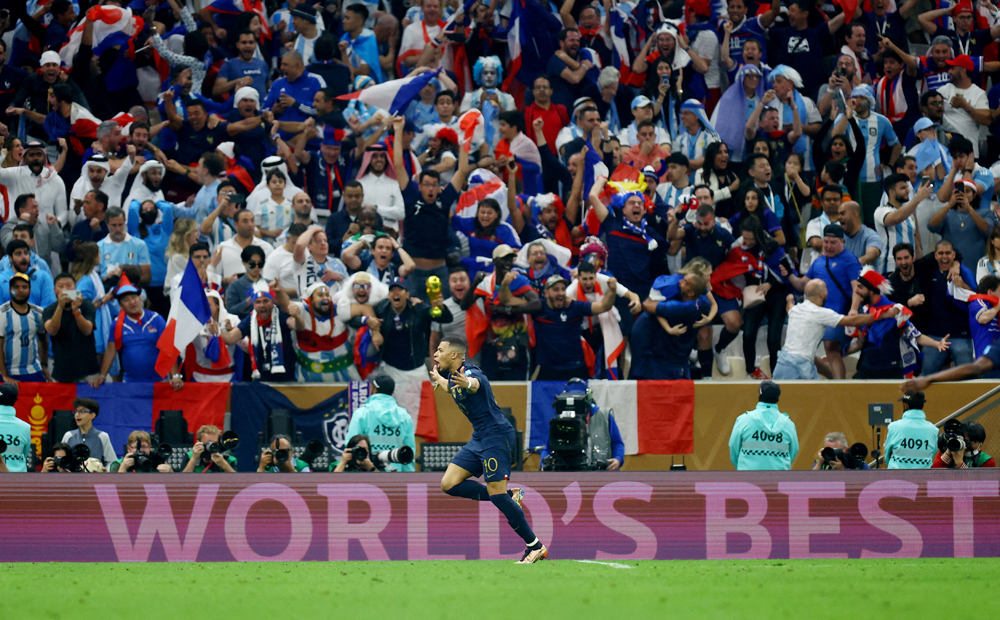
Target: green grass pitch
[(889, 589)]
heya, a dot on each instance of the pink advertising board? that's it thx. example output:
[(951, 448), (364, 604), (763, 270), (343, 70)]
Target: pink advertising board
[(623, 515)]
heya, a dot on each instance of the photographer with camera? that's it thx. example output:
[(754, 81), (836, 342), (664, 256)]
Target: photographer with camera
[(279, 457), (765, 438), (602, 445), (85, 411), (68, 460), (210, 454), (356, 456), (911, 441), (961, 447), (140, 456), (837, 455), (387, 425)]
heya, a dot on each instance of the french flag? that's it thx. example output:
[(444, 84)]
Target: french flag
[(112, 26), (188, 316), (665, 425), (394, 95), (532, 38)]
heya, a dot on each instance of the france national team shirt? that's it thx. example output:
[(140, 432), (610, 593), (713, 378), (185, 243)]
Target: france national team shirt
[(42, 290), (131, 251), (138, 351), (904, 232), (982, 335), (714, 247), (20, 339), (557, 335), (749, 29), (481, 408), (875, 129), (935, 78), (629, 256)]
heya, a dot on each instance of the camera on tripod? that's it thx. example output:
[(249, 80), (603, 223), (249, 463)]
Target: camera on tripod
[(852, 458), (569, 439), (75, 461)]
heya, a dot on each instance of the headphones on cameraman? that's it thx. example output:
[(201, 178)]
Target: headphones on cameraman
[(588, 394)]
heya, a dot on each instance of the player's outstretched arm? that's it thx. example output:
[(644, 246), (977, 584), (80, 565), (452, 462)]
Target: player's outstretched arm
[(466, 383), (977, 368)]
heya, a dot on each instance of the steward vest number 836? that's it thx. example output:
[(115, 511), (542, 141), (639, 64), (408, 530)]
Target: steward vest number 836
[(762, 436)]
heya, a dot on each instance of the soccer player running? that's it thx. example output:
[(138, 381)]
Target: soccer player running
[(490, 451)]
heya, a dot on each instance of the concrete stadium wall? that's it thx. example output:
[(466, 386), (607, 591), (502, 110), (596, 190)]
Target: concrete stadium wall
[(817, 408), (603, 516)]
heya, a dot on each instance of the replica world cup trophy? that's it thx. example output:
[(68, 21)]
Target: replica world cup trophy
[(434, 295)]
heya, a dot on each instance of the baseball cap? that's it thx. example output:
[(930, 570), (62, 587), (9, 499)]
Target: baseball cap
[(769, 392), (963, 7), (922, 124), (20, 276), (396, 283), (915, 400), (8, 393), (641, 101), (306, 12), (384, 385), (833, 230), (961, 61), (502, 250), (553, 280)]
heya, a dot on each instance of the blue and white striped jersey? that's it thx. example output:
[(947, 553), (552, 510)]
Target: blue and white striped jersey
[(20, 339)]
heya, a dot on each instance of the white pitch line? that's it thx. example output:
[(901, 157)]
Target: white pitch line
[(611, 564)]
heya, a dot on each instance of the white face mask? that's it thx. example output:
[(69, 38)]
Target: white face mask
[(488, 78)]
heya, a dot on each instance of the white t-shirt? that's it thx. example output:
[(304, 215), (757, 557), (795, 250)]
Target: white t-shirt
[(382, 192), (706, 44), (959, 121), (231, 263), (274, 267), (806, 324)]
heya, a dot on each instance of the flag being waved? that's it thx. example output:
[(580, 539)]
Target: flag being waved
[(189, 313), (394, 95)]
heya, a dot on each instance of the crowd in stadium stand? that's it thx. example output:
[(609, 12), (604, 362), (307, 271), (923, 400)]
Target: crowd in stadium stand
[(633, 190)]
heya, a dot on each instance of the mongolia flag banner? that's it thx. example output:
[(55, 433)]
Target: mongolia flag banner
[(125, 407), (654, 417), (394, 95)]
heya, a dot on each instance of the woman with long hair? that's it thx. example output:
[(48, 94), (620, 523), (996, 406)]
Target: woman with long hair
[(719, 177), (185, 235), (797, 195), (86, 272), (485, 232), (753, 203), (666, 93), (836, 147), (13, 150), (989, 264), (196, 46), (765, 254)]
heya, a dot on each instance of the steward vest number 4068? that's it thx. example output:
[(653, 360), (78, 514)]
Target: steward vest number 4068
[(762, 436)]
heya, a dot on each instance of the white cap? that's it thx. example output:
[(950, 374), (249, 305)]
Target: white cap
[(246, 92), (149, 165), (48, 57)]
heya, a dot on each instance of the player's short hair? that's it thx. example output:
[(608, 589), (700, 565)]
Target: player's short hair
[(457, 344)]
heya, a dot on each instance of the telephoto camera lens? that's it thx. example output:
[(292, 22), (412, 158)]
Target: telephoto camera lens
[(281, 455), (402, 455), (359, 453), (956, 443)]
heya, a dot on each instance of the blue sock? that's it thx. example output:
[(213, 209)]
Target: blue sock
[(515, 517), (470, 489)]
